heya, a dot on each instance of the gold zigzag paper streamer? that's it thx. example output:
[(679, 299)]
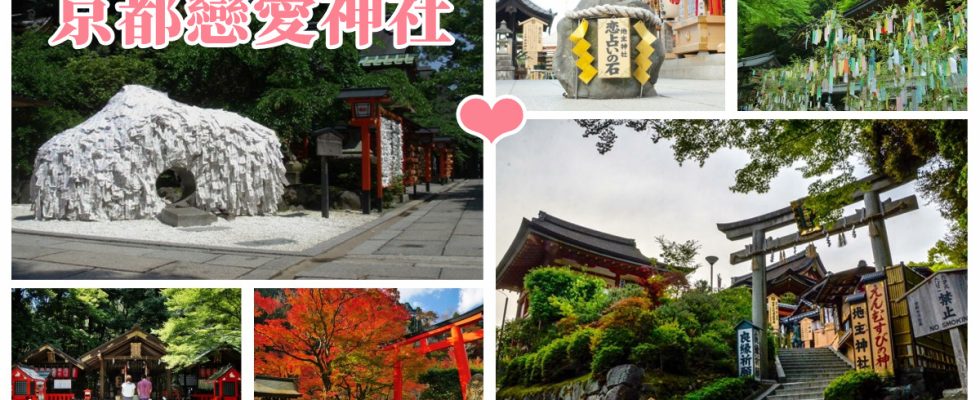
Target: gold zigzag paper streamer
[(645, 51), (581, 49)]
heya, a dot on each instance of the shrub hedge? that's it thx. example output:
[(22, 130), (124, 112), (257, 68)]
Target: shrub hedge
[(724, 389), (856, 385)]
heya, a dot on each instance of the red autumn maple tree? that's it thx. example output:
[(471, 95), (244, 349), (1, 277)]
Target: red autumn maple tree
[(333, 339)]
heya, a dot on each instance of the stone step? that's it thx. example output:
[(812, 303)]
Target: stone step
[(812, 367), (818, 396), (820, 380), (805, 358), (820, 363), (840, 369), (801, 387), (808, 356), (701, 66), (816, 393), (812, 377), (804, 385)]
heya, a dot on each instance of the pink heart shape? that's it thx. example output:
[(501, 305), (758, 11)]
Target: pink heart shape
[(476, 116)]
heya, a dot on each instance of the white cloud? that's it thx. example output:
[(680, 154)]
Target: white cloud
[(414, 296), (468, 299)]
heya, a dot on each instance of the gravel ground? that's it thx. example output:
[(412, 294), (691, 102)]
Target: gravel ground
[(288, 231)]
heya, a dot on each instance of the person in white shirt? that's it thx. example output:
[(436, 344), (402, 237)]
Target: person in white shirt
[(129, 389)]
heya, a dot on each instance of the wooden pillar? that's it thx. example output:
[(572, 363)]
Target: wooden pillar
[(324, 188), (365, 169), (398, 375), (462, 362), (759, 297), (428, 165), (380, 171), (443, 164), (101, 378)]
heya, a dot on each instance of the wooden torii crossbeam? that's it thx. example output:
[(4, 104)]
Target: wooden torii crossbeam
[(455, 343), (873, 215)]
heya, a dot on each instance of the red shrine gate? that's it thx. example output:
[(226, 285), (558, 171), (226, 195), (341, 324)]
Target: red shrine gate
[(455, 343)]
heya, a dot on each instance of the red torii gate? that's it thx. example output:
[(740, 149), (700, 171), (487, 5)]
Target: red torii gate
[(456, 341)]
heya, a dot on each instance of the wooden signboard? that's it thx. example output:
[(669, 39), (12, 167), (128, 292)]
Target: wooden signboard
[(880, 324), (862, 355), (938, 304), (806, 331), (773, 312), (749, 354), (614, 48)]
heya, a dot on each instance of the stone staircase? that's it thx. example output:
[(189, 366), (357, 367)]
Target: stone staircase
[(808, 373)]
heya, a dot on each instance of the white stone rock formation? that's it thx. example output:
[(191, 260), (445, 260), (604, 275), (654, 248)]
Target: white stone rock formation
[(107, 167)]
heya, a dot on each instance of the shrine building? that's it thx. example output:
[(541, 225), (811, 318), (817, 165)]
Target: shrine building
[(137, 353), (864, 316), (796, 274), (549, 241)]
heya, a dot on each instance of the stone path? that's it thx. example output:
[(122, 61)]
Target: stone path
[(436, 239), (441, 239), (52, 257), (674, 95)]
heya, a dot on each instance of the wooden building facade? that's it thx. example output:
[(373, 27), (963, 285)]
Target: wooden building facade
[(550, 241)]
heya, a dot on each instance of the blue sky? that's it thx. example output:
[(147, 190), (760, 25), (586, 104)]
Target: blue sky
[(444, 302)]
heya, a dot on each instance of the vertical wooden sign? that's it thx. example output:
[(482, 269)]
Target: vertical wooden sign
[(880, 324), (806, 332), (748, 337), (773, 312), (862, 355), (614, 48)]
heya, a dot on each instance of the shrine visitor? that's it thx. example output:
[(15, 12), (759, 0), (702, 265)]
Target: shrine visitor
[(144, 388), (128, 389)]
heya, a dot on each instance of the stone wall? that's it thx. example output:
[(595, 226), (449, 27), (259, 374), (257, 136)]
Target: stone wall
[(624, 382)]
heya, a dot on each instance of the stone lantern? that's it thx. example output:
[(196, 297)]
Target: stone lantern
[(505, 58)]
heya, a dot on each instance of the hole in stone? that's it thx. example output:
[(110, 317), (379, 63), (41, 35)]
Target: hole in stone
[(176, 185)]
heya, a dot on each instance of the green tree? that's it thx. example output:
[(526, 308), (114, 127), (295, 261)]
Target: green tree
[(931, 152), (550, 288), (291, 90), (679, 255), (765, 26), (70, 319), (77, 320), (200, 320)]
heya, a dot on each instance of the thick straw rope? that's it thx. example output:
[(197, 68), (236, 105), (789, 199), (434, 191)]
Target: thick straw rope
[(609, 10)]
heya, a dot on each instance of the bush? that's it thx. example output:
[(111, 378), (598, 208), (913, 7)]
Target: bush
[(724, 389), (553, 360), (552, 288), (671, 343), (523, 336), (579, 351), (443, 383), (620, 337), (533, 369), (518, 371), (560, 359), (855, 385), (710, 350), (646, 356), (607, 357)]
